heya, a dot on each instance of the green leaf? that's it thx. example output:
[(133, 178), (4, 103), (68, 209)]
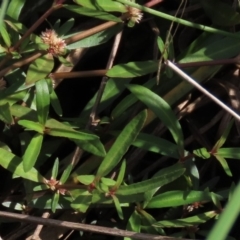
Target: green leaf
[(5, 35), (64, 61), (187, 222), (15, 8), (39, 69), (149, 184), (122, 144), (32, 125), (82, 200), (66, 27), (229, 153), (202, 153), (178, 198), (95, 147), (113, 89), (134, 223), (108, 181), (118, 207), (97, 38), (86, 179), (156, 145), (129, 100), (42, 100), (92, 13), (227, 218), (133, 69), (66, 174), (163, 111), (220, 13), (224, 164), (55, 128), (55, 201), (5, 113), (14, 164), (55, 103), (23, 112), (106, 5), (32, 152), (46, 201), (161, 47), (223, 138), (55, 169), (120, 175)]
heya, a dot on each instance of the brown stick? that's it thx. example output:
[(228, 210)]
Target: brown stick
[(84, 227), (90, 32), (80, 74)]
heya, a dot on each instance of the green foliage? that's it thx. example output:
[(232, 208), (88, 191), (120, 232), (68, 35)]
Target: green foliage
[(122, 144)]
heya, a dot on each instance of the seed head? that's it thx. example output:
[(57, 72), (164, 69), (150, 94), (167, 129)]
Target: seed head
[(135, 15), (56, 45)]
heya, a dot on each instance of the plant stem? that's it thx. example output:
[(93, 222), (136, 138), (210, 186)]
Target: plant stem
[(21, 63), (200, 88), (80, 74), (83, 227), (89, 32), (179, 20)]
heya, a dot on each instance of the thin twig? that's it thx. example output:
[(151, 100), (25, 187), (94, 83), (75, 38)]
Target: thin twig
[(84, 227), (92, 119), (153, 3), (39, 227), (80, 74), (200, 88)]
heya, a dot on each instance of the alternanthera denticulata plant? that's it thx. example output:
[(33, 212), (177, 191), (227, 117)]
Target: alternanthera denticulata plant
[(85, 128)]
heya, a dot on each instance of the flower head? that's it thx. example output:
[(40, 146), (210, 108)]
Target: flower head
[(135, 15), (56, 44)]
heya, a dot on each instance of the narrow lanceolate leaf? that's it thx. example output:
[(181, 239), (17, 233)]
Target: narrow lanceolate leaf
[(39, 69), (156, 145), (227, 218), (55, 201), (162, 110), (92, 13), (106, 5), (14, 164), (35, 126), (178, 198), (118, 207), (95, 147), (122, 144), (187, 222), (32, 152), (224, 164), (42, 100), (134, 223), (55, 169), (66, 174), (5, 113), (120, 175), (14, 8), (150, 184), (55, 128), (5, 35), (223, 138), (55, 103), (229, 153), (133, 69)]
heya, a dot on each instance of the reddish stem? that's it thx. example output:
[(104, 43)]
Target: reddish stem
[(153, 3)]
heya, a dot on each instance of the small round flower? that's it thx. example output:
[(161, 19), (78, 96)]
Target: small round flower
[(56, 45), (135, 15)]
